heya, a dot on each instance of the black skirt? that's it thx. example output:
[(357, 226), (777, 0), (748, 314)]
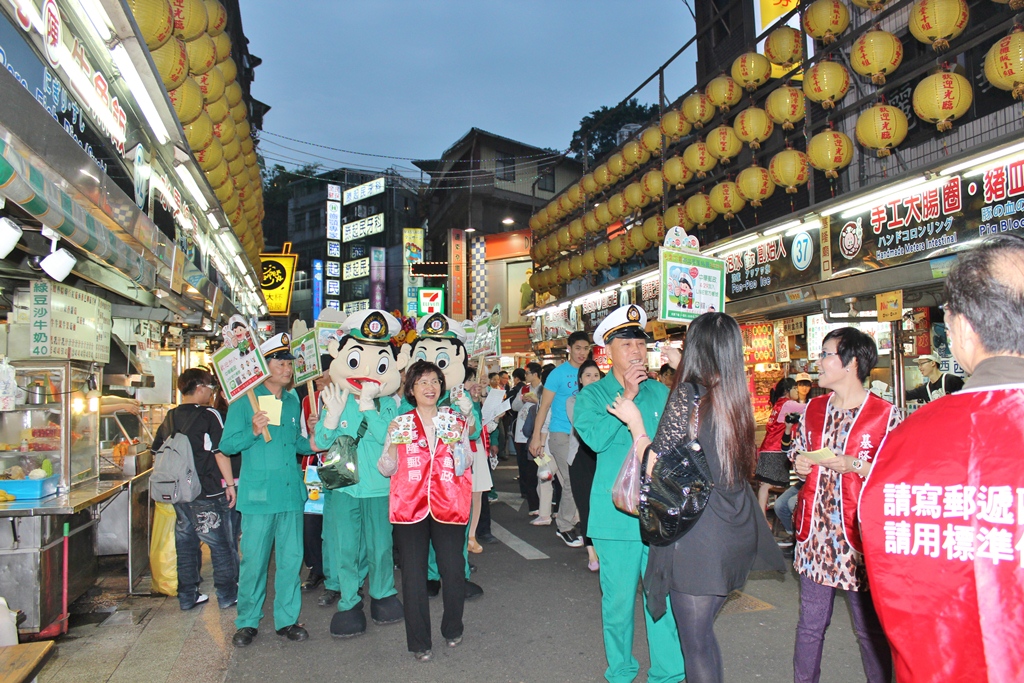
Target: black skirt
[(773, 468)]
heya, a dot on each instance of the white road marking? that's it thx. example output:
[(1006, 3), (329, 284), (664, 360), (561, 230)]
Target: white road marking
[(515, 543), (507, 467), (513, 500)]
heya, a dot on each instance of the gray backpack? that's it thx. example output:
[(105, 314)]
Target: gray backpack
[(174, 478)]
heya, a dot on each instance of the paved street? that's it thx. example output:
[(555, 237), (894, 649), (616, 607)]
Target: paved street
[(539, 622)]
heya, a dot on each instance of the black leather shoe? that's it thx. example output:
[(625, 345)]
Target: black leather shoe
[(311, 583), (486, 538), (433, 588), (328, 598), (293, 632), (473, 591), (244, 636)]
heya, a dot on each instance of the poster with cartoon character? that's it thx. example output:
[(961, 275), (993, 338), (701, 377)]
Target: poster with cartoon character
[(691, 284), (239, 365)]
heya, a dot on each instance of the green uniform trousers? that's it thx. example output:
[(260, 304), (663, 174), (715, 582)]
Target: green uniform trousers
[(432, 573), (283, 532), (362, 544), (622, 565), (332, 581)]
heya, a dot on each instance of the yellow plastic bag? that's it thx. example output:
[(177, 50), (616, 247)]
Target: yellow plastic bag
[(163, 558)]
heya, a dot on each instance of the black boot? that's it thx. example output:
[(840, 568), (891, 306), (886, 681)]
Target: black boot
[(350, 623), (473, 590), (387, 610)]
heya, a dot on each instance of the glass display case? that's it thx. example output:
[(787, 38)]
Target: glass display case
[(55, 422)]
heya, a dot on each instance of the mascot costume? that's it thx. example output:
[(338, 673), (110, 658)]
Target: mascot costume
[(366, 374)]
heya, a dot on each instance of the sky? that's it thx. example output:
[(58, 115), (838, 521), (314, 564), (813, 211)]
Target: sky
[(407, 78)]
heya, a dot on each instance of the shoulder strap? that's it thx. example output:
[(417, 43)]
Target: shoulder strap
[(188, 425), (363, 426)]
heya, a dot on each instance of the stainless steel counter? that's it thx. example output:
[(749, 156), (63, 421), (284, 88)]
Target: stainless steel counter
[(79, 498)]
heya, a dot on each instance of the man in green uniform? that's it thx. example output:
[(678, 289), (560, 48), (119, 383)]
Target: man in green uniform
[(271, 495), (616, 535), (360, 402)]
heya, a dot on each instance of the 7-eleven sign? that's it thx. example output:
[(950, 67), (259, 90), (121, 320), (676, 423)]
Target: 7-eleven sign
[(430, 300)]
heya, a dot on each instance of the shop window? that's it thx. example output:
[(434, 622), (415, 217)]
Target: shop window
[(546, 181), (505, 168)]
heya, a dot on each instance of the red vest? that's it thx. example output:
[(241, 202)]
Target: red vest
[(426, 484), (774, 429), (866, 434), (941, 516)]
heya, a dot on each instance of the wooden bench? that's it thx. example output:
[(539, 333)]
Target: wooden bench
[(19, 663)]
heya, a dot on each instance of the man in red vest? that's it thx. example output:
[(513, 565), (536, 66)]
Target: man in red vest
[(942, 511)]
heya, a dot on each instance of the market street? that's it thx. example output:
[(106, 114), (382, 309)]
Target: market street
[(539, 621)]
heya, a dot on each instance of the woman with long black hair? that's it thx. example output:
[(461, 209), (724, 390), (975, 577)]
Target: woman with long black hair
[(731, 537), (583, 464)]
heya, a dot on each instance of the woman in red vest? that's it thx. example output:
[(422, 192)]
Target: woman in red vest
[(852, 422), (430, 502)]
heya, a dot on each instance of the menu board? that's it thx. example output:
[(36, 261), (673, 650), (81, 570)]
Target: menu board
[(68, 323), (758, 343), (240, 368), (691, 284), (307, 358)]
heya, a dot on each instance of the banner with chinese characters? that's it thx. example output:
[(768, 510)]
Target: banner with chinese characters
[(353, 270), (457, 274), (412, 252), (690, 285), (781, 342), (364, 227), (350, 307), (67, 323), (277, 281), (370, 189), (781, 261)]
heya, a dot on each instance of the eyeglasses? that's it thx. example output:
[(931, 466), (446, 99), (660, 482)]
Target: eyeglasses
[(211, 387), (428, 383), (826, 354)]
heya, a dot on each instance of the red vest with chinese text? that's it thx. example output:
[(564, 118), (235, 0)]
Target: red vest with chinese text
[(426, 483), (941, 517), (773, 429), (866, 434)]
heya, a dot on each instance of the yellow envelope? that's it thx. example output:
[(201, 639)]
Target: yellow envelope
[(272, 407)]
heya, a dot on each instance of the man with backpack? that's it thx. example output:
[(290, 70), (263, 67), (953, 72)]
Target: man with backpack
[(191, 472)]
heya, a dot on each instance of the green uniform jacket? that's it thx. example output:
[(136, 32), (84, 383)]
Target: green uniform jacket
[(369, 448), (271, 479), (473, 436), (610, 439)]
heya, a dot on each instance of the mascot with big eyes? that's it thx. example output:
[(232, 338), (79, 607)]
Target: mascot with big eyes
[(362, 399), (442, 341)]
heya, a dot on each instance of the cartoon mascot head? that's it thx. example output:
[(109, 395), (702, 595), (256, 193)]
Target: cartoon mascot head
[(363, 357), (442, 341)]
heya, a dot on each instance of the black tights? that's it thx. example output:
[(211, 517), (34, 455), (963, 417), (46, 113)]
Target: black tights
[(695, 620)]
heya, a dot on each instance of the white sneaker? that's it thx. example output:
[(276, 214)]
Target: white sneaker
[(541, 521)]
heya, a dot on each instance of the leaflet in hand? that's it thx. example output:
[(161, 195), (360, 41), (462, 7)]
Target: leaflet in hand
[(819, 455), (402, 432)]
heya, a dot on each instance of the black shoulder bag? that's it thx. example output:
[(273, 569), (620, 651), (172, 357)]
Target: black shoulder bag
[(674, 496)]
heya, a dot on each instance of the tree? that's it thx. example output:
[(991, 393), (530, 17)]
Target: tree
[(600, 127), (276, 193)]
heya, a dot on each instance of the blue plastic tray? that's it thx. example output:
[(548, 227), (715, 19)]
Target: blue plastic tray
[(31, 489)]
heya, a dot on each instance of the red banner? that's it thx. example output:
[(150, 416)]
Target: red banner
[(457, 274)]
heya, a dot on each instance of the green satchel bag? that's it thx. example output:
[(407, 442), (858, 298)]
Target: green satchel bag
[(340, 468)]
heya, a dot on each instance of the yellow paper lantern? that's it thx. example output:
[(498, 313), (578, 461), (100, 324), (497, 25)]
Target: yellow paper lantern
[(237, 165), (223, 43), (635, 197), (755, 184), (239, 112), (228, 68), (575, 194), (231, 205), (551, 244), (199, 133), (723, 144), (565, 205), (723, 92), (602, 255), (699, 210), (537, 254), (576, 266), (881, 127), (588, 184), (187, 100), (218, 176), (784, 47), (564, 274), (697, 110), (212, 84), (1004, 63), (217, 110), (651, 184), (634, 154), (210, 157), (636, 239), (225, 130), (618, 166), (938, 21), (619, 249), (654, 229), (535, 223), (942, 98), (785, 106), (577, 231), (650, 140), (826, 83), (789, 168), (617, 205), (189, 18), (826, 19), (171, 62), (155, 21), (751, 70), (676, 216), (876, 53), (217, 17), (699, 159), (675, 172), (726, 199), (674, 125), (830, 151), (590, 222), (604, 216), (604, 177), (873, 5), (232, 91), (753, 126), (243, 130), (590, 261), (202, 54)]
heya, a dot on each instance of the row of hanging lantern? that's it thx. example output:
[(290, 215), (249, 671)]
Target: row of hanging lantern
[(939, 98)]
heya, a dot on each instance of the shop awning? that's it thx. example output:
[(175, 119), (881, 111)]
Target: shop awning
[(25, 185)]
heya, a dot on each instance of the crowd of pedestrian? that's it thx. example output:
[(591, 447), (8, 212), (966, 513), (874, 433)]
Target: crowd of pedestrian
[(873, 502)]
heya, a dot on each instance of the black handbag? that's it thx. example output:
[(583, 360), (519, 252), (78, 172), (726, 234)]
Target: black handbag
[(673, 497)]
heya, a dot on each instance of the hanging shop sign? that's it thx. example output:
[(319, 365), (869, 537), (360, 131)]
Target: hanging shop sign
[(646, 294), (364, 227), (64, 323), (429, 300), (318, 287), (781, 342), (377, 277), (779, 262), (412, 252), (333, 249), (793, 327), (277, 280), (690, 284), (457, 273), (353, 270), (889, 306), (758, 343), (333, 220), (592, 311), (334, 193), (333, 269), (351, 307), (333, 288), (360, 192)]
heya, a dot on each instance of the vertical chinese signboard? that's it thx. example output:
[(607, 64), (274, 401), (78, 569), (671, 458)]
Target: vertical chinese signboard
[(412, 252), (318, 287), (377, 277), (277, 280), (457, 273)]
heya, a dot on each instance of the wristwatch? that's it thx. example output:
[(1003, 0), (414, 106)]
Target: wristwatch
[(857, 464)]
